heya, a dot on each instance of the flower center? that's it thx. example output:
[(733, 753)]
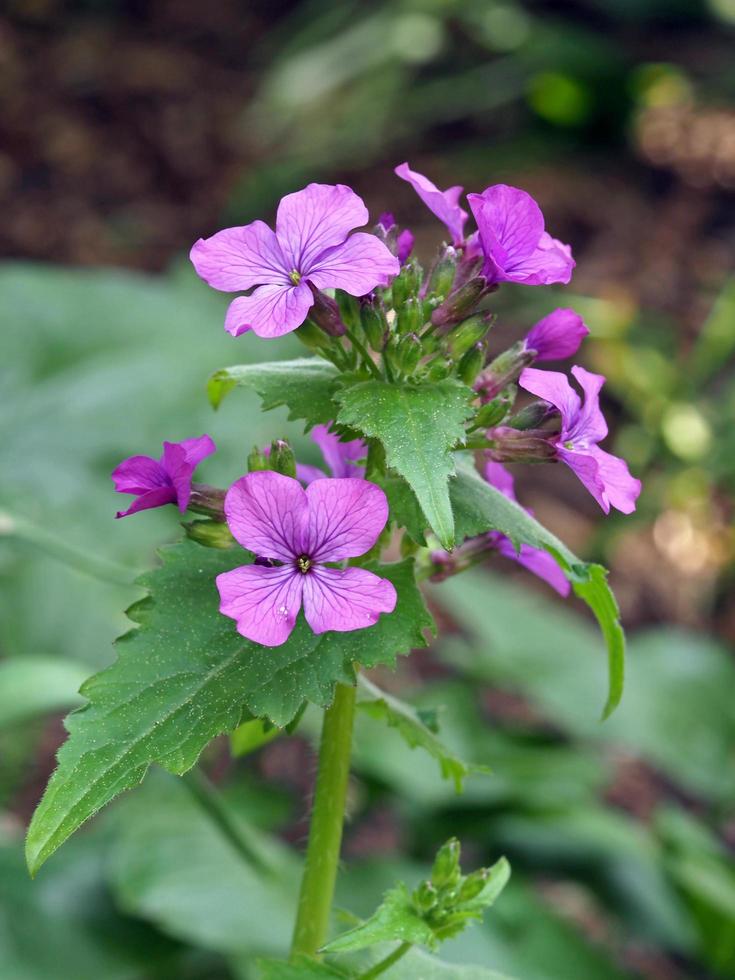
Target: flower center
[(303, 563), (569, 444), (295, 276)]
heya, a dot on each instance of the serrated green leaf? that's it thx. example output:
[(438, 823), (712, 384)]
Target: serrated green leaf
[(480, 507), (407, 721), (394, 919), (417, 425), (305, 385), (185, 674)]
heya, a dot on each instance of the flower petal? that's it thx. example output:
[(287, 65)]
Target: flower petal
[(585, 467), (316, 218), (404, 245), (240, 258), (443, 204), (554, 387), (357, 265), (340, 456), (138, 474), (345, 599), (270, 311), (557, 335), (198, 448), (263, 600), (590, 426), (620, 488), (497, 476), (180, 459), (307, 474), (267, 514), (345, 518), (550, 262), (510, 224), (539, 562), (151, 498)]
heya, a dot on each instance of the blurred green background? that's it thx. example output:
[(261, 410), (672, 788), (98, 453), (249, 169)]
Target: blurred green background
[(128, 130)]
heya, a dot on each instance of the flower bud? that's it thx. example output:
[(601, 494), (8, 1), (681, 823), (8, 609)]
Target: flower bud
[(460, 303), (411, 316), (325, 314), (534, 415), (374, 325), (211, 534), (468, 333), (439, 369), (207, 500), (502, 371), (282, 458), (349, 307), (257, 460), (473, 885), (425, 897), (512, 446), (408, 353), (471, 363), (406, 283), (446, 871), (311, 336), (492, 413), (442, 274)]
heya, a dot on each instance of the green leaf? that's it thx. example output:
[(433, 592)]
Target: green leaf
[(408, 722), (395, 919), (252, 735), (302, 968), (417, 424), (31, 686), (306, 385), (185, 675), (480, 507)]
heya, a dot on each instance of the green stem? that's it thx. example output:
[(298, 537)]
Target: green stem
[(325, 831), (388, 962), (362, 350)]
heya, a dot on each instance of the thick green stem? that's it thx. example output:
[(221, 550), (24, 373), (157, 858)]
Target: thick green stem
[(325, 832), (388, 962)]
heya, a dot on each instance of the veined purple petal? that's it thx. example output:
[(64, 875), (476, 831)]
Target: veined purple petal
[(549, 263), (345, 518), (267, 514), (340, 456), (239, 258), (345, 599), (443, 204), (620, 488), (263, 600), (180, 459), (557, 335), (554, 387), (138, 474), (270, 311), (149, 499), (590, 425), (357, 265), (539, 562), (307, 474), (315, 219), (584, 465), (198, 448)]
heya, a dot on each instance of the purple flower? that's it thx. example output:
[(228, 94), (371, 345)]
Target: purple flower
[(534, 559), (274, 517), (339, 456), (162, 481), (404, 240), (444, 204), (514, 243), (310, 248), (557, 336), (582, 426)]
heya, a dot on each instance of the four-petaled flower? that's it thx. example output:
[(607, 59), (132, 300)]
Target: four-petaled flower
[(309, 248), (582, 426), (162, 481), (557, 336), (331, 520), (340, 457), (443, 204), (515, 245)]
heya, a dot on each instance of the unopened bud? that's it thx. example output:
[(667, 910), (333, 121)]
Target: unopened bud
[(374, 325), (349, 307), (460, 303), (513, 446), (257, 460), (471, 363), (211, 534), (207, 500), (312, 337), (502, 371), (439, 369), (442, 274), (411, 316), (425, 897), (406, 283), (534, 415), (409, 353), (325, 314), (446, 871), (473, 885), (492, 413), (468, 333), (282, 458)]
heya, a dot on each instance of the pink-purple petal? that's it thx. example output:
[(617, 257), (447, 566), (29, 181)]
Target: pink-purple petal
[(239, 258), (357, 266), (550, 262), (138, 474), (553, 387), (590, 425), (198, 448), (267, 514), (404, 245), (345, 599), (340, 456), (443, 204), (157, 497), (509, 221), (345, 518), (270, 311), (263, 600), (557, 335), (307, 474), (620, 488), (584, 466), (497, 476), (317, 218), (539, 562)]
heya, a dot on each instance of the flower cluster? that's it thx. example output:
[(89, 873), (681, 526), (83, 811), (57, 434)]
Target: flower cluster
[(361, 300)]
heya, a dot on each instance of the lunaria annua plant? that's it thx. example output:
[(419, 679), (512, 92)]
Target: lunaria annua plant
[(296, 578)]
